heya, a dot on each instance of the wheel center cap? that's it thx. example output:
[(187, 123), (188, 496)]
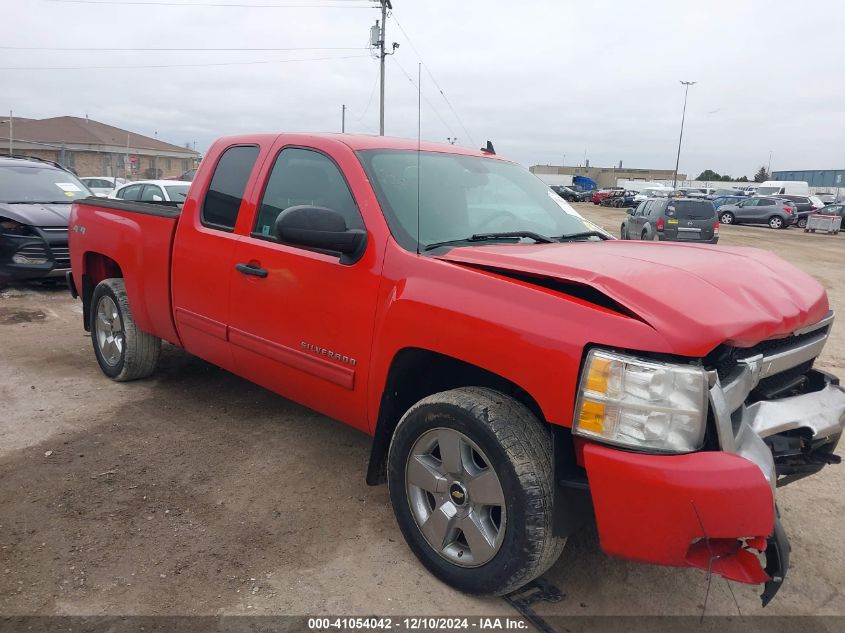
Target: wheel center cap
[(458, 494)]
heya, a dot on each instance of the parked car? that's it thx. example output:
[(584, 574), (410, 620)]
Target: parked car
[(102, 185), (601, 194), (188, 175), (827, 198), (620, 199), (153, 191), (645, 194), (721, 193), (804, 205), (487, 348), (672, 220), (569, 194), (776, 212), (722, 200), (35, 199), (687, 192)]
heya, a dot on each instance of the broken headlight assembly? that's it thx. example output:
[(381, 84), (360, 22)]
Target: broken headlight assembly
[(641, 404), (13, 228)]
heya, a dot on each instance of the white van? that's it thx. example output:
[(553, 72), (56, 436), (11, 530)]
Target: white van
[(778, 187)]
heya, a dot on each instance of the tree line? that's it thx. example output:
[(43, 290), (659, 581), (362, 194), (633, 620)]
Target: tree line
[(709, 175)]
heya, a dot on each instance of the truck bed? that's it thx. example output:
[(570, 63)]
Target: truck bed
[(140, 236)]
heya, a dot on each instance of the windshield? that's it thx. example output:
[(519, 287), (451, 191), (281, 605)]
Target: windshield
[(177, 193), (767, 191), (28, 183), (461, 196)]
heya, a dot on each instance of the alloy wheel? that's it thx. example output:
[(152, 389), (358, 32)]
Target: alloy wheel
[(109, 331), (456, 497)]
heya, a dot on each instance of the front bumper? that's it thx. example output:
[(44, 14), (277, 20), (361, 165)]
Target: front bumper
[(46, 250), (716, 509)]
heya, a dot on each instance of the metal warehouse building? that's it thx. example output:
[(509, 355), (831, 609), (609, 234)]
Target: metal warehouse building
[(814, 177)]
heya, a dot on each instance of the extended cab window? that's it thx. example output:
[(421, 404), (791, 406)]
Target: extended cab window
[(226, 191), (305, 177)]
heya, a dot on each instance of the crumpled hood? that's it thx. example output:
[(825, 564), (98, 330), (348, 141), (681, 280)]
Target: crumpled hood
[(37, 214), (695, 296)]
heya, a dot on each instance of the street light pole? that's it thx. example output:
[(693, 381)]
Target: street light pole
[(686, 84)]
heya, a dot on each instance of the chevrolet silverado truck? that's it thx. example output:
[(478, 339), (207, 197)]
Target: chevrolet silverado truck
[(520, 371)]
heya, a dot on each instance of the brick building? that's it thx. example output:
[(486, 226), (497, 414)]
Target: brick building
[(91, 148)]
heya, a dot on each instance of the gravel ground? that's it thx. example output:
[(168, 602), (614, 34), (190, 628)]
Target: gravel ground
[(195, 492)]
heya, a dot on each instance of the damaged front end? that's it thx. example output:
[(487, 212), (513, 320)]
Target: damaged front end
[(771, 408), (772, 419)]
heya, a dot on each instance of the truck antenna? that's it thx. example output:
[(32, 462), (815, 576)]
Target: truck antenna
[(419, 134)]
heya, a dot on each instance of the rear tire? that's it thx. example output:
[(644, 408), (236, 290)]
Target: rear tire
[(623, 234), (776, 222), (123, 351), (726, 218), (644, 235), (802, 223), (441, 493)]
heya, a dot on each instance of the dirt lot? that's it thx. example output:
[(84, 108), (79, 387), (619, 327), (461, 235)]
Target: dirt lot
[(195, 492)]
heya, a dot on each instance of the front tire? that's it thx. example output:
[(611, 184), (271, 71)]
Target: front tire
[(123, 351), (726, 218), (470, 479)]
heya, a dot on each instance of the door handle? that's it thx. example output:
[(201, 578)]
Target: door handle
[(249, 269)]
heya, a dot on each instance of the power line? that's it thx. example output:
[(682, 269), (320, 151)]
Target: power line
[(163, 3), (430, 74), (273, 61), (369, 102), (430, 104), (148, 49)]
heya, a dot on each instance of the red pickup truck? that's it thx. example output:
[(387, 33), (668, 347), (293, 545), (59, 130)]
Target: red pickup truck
[(520, 371)]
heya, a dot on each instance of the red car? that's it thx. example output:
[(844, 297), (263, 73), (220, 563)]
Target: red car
[(601, 194), (520, 371)]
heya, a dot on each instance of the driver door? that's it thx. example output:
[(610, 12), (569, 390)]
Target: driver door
[(302, 321)]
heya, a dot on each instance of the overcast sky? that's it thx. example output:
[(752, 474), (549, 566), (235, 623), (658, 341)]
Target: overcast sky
[(540, 79)]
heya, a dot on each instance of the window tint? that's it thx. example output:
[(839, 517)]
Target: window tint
[(305, 177), (152, 193), (133, 192), (226, 191), (765, 202), (691, 210)]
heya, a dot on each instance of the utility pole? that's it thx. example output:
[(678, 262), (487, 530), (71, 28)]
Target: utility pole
[(381, 32), (343, 119), (686, 85), (769, 170)]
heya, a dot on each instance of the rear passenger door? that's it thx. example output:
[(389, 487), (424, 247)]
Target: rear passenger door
[(203, 257), (764, 209)]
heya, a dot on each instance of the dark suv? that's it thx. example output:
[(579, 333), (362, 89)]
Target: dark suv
[(35, 200), (673, 220)]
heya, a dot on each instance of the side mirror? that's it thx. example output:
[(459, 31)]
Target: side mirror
[(321, 229), (157, 198), (630, 210)]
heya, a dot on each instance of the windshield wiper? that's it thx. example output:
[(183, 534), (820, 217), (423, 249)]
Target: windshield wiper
[(491, 237), (577, 236), (38, 202)]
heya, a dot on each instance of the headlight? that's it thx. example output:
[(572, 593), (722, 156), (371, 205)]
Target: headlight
[(11, 227), (647, 405)]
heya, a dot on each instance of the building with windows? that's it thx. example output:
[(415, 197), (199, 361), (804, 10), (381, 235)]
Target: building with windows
[(91, 148), (819, 178)]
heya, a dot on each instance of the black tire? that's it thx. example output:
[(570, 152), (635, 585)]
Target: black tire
[(726, 218), (139, 352), (776, 222), (802, 222), (623, 233), (519, 451), (644, 235)]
